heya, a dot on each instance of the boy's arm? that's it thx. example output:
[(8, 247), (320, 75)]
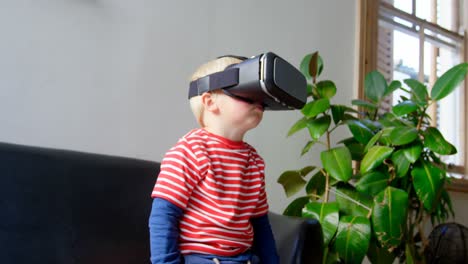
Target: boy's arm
[(164, 232), (264, 242)]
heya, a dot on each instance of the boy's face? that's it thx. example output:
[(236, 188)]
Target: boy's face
[(241, 114)]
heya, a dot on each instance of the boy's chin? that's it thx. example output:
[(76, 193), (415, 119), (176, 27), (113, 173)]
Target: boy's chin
[(254, 124)]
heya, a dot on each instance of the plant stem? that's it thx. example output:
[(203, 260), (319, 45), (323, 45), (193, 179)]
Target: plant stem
[(420, 222), (421, 117), (421, 234), (410, 226), (327, 191), (420, 213), (420, 120), (314, 196), (423, 237), (335, 127), (374, 115), (327, 176)]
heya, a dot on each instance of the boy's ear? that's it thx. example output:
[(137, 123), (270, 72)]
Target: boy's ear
[(209, 102)]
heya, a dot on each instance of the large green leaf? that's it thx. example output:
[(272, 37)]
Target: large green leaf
[(393, 86), (404, 108), (427, 181), (352, 202), (371, 124), (374, 86), (413, 152), (360, 131), (339, 112), (400, 162), (295, 207), (337, 162), (374, 157), (299, 125), (389, 217), (312, 109), (326, 89), (385, 138), (365, 104), (292, 182), (403, 135), (389, 119), (419, 91), (352, 239), (355, 148), (327, 214), (373, 140), (372, 183), (316, 185), (318, 127), (435, 141), (449, 81)]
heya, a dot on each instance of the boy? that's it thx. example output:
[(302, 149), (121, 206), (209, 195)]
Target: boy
[(210, 204)]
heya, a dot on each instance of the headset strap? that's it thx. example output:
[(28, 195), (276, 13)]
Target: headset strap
[(242, 58), (217, 80)]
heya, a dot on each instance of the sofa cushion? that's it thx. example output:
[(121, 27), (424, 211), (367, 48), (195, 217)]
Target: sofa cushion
[(61, 206)]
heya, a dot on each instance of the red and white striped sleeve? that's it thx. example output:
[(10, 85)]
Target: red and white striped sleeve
[(262, 204), (179, 174)]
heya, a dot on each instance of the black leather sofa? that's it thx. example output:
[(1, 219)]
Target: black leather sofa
[(63, 206)]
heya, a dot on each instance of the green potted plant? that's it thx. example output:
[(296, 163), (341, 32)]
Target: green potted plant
[(387, 177)]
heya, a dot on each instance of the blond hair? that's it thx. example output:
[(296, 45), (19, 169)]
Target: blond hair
[(208, 68)]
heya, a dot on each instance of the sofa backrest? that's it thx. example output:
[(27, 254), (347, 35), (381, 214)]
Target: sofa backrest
[(61, 206)]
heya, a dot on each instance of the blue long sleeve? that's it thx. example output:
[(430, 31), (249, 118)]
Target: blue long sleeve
[(264, 241), (164, 232)]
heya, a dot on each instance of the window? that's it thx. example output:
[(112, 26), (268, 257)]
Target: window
[(421, 39)]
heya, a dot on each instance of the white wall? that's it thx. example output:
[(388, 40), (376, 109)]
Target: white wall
[(110, 76)]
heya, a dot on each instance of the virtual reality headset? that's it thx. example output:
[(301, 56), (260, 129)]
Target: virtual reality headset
[(266, 79)]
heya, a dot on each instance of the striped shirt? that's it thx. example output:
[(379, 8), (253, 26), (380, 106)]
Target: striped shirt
[(220, 185)]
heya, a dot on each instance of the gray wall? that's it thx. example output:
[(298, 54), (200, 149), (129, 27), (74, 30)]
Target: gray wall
[(111, 76)]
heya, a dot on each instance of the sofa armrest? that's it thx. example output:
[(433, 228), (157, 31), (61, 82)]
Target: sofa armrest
[(298, 240)]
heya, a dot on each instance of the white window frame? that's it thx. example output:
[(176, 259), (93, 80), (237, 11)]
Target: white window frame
[(373, 12)]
